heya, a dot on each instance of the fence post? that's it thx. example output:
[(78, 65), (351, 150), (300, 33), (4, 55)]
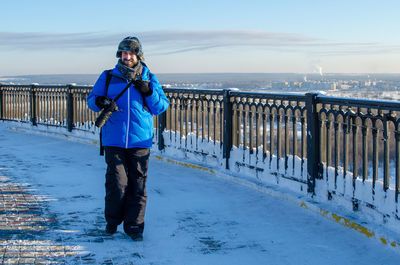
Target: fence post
[(33, 105), (227, 137), (1, 102), (313, 142), (162, 124), (388, 117), (70, 108)]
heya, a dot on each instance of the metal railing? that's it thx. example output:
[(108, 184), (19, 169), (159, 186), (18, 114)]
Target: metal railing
[(195, 116), (63, 106), (272, 127), (328, 137), (361, 138)]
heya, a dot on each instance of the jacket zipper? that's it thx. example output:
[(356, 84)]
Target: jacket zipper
[(129, 116)]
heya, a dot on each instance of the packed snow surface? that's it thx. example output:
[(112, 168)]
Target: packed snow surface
[(193, 217)]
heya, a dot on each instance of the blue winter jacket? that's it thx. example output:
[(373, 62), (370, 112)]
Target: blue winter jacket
[(132, 125)]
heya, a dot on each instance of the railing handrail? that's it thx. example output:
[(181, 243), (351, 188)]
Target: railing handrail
[(266, 95), (361, 103), (194, 91)]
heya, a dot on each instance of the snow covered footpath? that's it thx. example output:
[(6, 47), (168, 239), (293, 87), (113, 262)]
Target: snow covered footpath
[(193, 217)]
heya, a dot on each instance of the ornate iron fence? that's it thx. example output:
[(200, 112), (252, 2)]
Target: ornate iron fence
[(193, 118), (360, 138), (328, 137), (63, 106), (271, 130)]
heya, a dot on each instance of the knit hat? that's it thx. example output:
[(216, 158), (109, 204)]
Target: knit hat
[(131, 44)]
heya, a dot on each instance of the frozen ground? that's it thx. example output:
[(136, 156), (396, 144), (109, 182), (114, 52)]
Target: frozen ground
[(52, 192)]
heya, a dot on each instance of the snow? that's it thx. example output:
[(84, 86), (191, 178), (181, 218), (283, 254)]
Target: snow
[(356, 197), (193, 216), (376, 206)]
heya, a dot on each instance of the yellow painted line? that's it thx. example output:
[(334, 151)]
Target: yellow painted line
[(185, 164), (350, 224), (323, 212), (159, 158), (303, 205)]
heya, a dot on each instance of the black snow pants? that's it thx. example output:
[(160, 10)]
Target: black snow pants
[(126, 196)]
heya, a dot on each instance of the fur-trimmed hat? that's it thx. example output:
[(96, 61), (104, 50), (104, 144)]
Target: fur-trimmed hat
[(131, 44)]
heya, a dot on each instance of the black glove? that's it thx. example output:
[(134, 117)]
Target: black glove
[(143, 87), (112, 106), (106, 114), (102, 102)]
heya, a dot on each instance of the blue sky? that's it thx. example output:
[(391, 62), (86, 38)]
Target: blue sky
[(78, 36)]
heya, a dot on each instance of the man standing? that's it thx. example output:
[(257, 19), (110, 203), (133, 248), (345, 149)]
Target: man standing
[(127, 135)]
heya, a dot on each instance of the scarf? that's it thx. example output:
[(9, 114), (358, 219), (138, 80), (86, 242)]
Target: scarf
[(130, 73)]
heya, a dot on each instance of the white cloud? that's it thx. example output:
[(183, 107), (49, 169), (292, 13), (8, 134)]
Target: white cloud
[(183, 51), (181, 41)]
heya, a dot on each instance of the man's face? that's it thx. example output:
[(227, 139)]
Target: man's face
[(129, 58)]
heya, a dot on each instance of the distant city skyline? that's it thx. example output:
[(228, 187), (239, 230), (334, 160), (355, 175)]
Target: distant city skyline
[(255, 36)]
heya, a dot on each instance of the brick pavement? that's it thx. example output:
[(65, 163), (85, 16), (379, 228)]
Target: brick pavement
[(24, 227)]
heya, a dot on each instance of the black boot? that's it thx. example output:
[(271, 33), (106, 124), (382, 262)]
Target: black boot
[(134, 231), (136, 236), (111, 229)]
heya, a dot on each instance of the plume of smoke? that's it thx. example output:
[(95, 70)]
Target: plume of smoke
[(320, 70)]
